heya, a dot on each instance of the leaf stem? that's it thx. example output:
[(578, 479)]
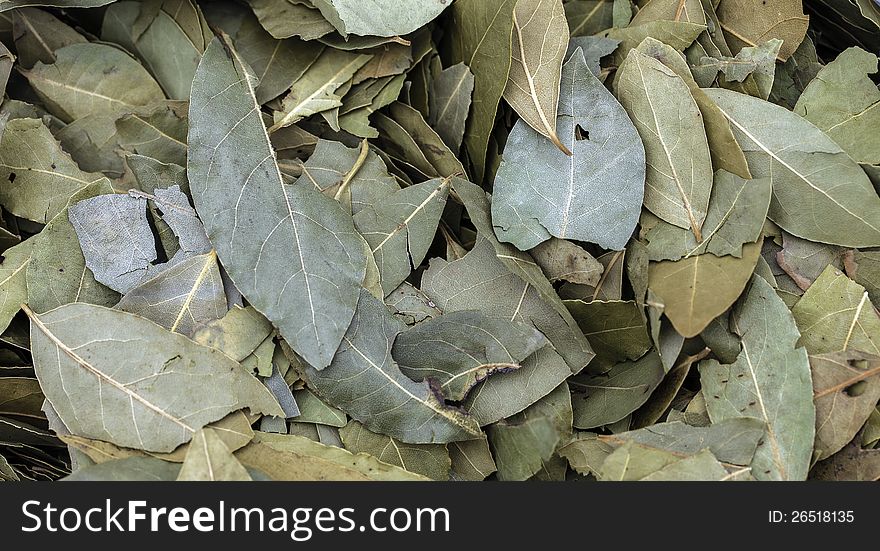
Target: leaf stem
[(349, 176)]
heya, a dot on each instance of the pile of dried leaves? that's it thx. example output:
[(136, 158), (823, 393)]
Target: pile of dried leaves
[(426, 239)]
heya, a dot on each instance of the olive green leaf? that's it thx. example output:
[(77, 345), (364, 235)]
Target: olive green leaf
[(459, 349), (237, 334), (208, 459), (315, 90), (138, 373), (616, 329), (752, 71), (480, 37), (793, 76), (471, 460), (732, 441), (844, 102), (410, 134), (315, 410), (723, 147), (770, 381), (380, 17), (600, 400), (594, 48), (38, 34), (635, 462), (181, 297), (804, 261), (677, 34), (157, 131), (596, 192), (679, 175), (835, 314), (748, 23), (92, 78), (736, 214), (57, 273), (363, 367), (524, 443), (690, 11), (38, 176), (449, 103), (864, 269), (587, 17), (290, 457), (400, 228), (289, 18), (540, 40), (562, 260), (819, 193), (430, 460), (366, 179), (13, 281), (240, 195), (846, 388), (131, 469), (697, 289)]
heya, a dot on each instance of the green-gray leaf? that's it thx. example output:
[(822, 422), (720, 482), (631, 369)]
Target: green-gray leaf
[(379, 17), (770, 380), (819, 192), (460, 349), (431, 460), (365, 382), (155, 388), (596, 192), (307, 244)]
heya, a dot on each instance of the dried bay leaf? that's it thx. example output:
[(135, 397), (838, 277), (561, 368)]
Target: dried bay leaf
[(524, 444), (157, 131), (605, 399), (835, 314), (846, 389), (208, 459), (459, 349), (594, 48), (770, 380), (131, 469), (697, 289), (562, 260), (333, 163), (678, 34), (181, 297), (380, 17), (314, 410), (39, 177), (38, 34), (92, 78), (481, 37), (315, 90), (127, 373), (13, 281), (118, 259), (616, 329), (864, 269), (450, 101), (291, 18), (844, 102), (471, 460), (587, 17), (237, 334), (793, 76), (430, 460), (540, 40), (57, 273), (804, 261), (634, 462), (242, 206), (819, 193), (607, 154), (851, 463), (289, 457), (736, 214), (363, 367), (401, 227), (679, 176), (749, 23)]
